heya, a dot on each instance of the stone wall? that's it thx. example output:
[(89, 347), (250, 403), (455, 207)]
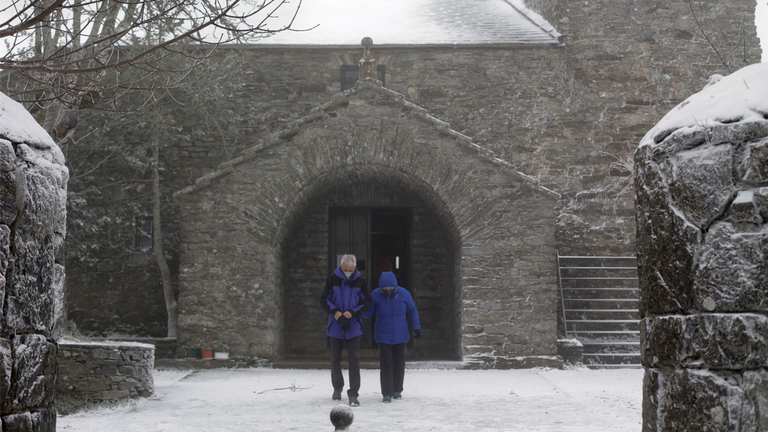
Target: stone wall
[(500, 222), (561, 114), (33, 187), (702, 191), (97, 372)]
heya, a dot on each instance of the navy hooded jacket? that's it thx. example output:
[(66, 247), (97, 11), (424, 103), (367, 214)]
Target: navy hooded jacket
[(390, 308), (345, 295)]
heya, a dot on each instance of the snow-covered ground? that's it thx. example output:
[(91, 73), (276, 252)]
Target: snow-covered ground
[(573, 400)]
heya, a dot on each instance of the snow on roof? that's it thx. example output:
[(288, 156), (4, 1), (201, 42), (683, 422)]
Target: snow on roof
[(17, 125), (412, 22), (740, 96)]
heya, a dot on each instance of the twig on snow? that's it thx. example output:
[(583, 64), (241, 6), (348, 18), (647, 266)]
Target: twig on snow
[(293, 387)]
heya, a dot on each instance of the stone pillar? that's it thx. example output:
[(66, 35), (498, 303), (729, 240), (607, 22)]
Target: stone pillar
[(702, 213), (33, 192)]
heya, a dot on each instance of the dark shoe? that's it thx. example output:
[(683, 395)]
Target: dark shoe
[(387, 399), (353, 401), (398, 396), (336, 395)]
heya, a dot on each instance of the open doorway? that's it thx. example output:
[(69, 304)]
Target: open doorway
[(380, 239)]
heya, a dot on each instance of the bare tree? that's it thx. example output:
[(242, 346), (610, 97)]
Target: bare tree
[(76, 52)]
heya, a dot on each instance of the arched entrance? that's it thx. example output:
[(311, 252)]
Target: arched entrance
[(392, 223)]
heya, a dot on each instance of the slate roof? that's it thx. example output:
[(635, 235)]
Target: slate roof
[(320, 112), (413, 22)]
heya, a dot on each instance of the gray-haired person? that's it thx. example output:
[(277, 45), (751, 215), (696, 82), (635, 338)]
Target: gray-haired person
[(345, 299)]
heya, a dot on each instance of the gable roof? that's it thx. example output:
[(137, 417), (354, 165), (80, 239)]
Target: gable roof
[(368, 84), (411, 22)]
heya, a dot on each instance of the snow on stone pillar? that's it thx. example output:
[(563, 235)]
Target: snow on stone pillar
[(702, 239), (33, 193)]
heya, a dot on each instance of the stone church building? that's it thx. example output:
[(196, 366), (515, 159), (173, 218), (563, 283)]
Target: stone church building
[(496, 135)]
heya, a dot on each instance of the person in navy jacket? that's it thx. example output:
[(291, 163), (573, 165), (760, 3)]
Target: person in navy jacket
[(345, 299), (390, 305)]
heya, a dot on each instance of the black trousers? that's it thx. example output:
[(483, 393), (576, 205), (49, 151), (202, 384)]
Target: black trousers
[(392, 364), (353, 346)]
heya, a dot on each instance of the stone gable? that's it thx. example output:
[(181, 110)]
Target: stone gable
[(369, 148)]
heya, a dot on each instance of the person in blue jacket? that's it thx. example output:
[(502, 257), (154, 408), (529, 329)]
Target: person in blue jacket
[(390, 305), (345, 299)]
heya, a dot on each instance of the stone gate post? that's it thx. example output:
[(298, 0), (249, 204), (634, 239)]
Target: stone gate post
[(701, 179)]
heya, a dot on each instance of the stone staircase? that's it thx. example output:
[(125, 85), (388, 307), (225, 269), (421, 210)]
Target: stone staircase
[(599, 305)]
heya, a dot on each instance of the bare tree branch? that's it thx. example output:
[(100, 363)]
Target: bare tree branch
[(76, 52)]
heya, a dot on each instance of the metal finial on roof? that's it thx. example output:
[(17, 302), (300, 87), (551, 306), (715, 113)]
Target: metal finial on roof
[(368, 62)]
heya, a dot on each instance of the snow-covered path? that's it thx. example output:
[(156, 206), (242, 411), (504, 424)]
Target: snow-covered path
[(575, 400)]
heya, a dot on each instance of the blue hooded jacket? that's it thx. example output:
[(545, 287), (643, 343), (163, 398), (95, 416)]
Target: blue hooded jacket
[(345, 295), (390, 308)]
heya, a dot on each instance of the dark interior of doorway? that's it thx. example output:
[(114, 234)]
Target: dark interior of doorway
[(380, 238)]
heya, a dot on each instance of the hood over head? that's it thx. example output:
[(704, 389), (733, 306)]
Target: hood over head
[(387, 279)]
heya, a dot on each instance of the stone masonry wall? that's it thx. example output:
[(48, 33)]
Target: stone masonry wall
[(33, 187), (702, 193), (104, 372), (563, 114), (505, 230)]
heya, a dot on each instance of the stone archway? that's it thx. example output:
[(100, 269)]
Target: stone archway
[(304, 259)]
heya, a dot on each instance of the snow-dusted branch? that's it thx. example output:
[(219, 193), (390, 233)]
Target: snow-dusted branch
[(293, 387)]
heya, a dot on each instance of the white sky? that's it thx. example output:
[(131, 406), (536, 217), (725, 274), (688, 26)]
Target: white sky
[(761, 21)]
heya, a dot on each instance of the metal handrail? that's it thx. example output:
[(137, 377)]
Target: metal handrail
[(562, 297)]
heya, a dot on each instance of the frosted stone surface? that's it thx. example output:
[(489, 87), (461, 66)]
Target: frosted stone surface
[(732, 271), (702, 213), (34, 371), (33, 192), (718, 341)]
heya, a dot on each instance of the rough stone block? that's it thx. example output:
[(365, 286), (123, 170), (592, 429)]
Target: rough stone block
[(664, 267), (756, 386), (753, 168), (717, 341), (18, 423), (700, 400), (700, 182), (8, 210), (761, 200), (6, 366), (43, 420), (34, 372), (651, 393), (732, 271), (745, 209), (7, 156), (30, 298)]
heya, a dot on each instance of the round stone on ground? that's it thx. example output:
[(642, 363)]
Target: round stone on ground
[(342, 417)]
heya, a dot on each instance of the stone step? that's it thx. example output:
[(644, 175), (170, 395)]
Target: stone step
[(617, 304), (612, 347), (591, 272), (599, 314), (599, 294), (597, 261), (607, 282), (603, 325)]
